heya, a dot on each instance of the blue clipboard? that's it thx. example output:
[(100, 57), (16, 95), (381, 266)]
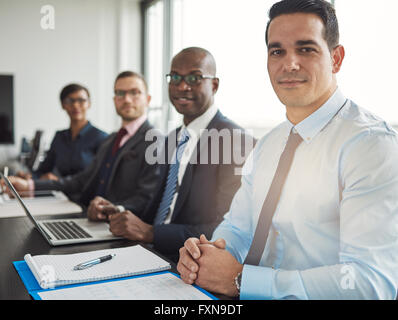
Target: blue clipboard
[(33, 287)]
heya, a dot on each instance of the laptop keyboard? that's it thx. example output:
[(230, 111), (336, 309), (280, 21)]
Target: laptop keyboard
[(64, 230)]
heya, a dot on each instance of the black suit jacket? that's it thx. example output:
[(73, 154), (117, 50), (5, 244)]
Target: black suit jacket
[(132, 180), (205, 193)]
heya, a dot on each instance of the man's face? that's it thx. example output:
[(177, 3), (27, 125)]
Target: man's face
[(300, 65), (131, 98), (192, 100), (76, 105)]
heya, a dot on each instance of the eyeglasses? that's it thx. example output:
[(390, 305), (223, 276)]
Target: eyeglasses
[(190, 79), (71, 101), (120, 94)]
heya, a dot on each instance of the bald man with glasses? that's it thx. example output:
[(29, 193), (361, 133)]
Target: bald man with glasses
[(194, 192)]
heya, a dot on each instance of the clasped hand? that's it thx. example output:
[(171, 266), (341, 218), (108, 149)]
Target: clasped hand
[(209, 265)]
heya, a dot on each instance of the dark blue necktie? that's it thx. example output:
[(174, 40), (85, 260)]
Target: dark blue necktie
[(271, 201), (172, 180)]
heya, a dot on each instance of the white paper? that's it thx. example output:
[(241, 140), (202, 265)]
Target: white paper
[(59, 204), (165, 286)]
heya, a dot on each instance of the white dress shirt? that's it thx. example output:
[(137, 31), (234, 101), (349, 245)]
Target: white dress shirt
[(334, 234), (195, 130)]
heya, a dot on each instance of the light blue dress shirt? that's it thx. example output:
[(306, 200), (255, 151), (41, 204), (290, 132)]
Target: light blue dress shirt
[(334, 234)]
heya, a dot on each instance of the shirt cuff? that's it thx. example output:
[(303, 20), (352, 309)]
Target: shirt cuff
[(256, 283), (31, 185)]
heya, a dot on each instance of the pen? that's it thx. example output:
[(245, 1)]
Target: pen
[(88, 264)]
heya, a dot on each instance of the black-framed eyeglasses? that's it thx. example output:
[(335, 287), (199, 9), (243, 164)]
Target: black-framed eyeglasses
[(71, 101), (122, 93), (190, 79)]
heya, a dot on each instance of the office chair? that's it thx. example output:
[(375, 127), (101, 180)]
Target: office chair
[(33, 160)]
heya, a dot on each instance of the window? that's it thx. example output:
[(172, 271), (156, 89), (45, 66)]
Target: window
[(153, 61), (369, 72), (154, 58), (234, 32)]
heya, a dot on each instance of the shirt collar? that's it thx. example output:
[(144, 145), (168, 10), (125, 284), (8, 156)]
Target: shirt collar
[(200, 123), (134, 125), (317, 121), (82, 131), (85, 129)]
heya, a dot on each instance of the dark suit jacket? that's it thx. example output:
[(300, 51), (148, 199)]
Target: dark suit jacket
[(131, 181), (205, 193)]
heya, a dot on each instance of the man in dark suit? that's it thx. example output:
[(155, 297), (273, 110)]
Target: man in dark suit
[(119, 172), (200, 175)]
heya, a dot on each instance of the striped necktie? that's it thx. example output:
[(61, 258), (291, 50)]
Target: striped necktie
[(271, 201), (172, 180)]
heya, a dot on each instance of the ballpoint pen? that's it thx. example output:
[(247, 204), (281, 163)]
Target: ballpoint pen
[(88, 264)]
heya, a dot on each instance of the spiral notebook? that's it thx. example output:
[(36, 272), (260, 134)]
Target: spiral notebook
[(57, 270)]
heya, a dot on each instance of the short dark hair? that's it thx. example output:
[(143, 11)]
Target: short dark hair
[(321, 8), (71, 88), (128, 74)]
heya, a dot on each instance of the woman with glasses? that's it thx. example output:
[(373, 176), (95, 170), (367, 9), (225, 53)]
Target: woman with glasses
[(72, 149)]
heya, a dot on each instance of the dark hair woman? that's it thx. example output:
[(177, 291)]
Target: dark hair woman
[(73, 149)]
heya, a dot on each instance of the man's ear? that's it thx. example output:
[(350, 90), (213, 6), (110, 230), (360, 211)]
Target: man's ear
[(216, 83), (338, 55)]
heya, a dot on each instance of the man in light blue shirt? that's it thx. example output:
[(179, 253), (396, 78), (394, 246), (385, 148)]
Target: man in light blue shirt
[(334, 232)]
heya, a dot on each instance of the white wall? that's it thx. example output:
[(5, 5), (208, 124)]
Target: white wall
[(92, 42)]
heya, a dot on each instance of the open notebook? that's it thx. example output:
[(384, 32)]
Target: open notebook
[(57, 270)]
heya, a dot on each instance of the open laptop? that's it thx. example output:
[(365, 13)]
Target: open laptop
[(59, 232)]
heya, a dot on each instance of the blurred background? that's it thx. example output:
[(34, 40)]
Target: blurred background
[(91, 41)]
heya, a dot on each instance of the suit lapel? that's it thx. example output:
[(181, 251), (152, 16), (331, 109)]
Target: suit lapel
[(183, 189), (101, 156), (138, 137), (186, 182)]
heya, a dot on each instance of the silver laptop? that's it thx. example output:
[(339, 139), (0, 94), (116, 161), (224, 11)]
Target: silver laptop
[(59, 232)]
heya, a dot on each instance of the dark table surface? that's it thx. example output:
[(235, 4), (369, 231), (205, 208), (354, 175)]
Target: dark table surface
[(18, 237)]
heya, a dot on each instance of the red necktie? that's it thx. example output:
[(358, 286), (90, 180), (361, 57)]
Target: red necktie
[(122, 132)]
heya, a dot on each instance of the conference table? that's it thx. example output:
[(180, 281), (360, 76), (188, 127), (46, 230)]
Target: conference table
[(18, 237)]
